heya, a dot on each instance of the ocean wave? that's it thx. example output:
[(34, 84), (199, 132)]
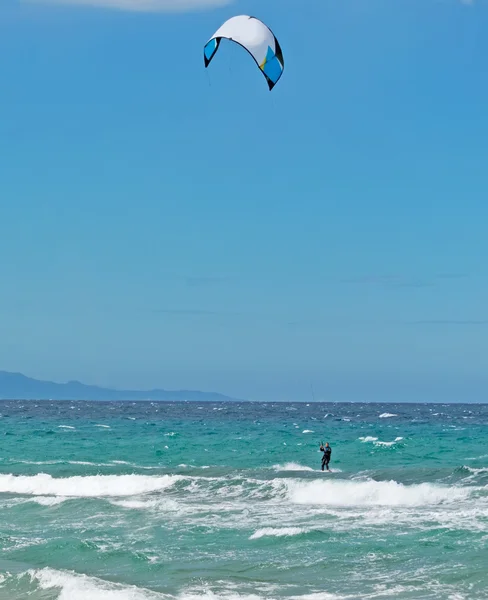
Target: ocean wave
[(73, 586), (387, 415), (387, 444), (195, 488), (37, 462), (372, 493), (291, 466), (377, 442), (278, 532), (69, 585), (324, 491), (157, 505), (90, 486), (48, 500), (86, 463), (475, 470), (479, 474)]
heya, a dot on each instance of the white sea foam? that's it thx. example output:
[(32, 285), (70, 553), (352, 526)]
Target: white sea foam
[(307, 431), (291, 466), (72, 586), (387, 415), (277, 532), (157, 505), (368, 438), (317, 596), (371, 493), (37, 462), (476, 471), (93, 486), (66, 427), (380, 443), (87, 463), (48, 500)]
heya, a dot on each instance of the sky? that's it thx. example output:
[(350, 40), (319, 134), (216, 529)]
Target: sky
[(166, 225)]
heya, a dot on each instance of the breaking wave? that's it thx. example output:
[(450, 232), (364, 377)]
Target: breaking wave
[(291, 466), (73, 586), (94, 486), (69, 585), (373, 493), (237, 490), (277, 532)]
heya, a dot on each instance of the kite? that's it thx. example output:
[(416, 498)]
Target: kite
[(255, 37)]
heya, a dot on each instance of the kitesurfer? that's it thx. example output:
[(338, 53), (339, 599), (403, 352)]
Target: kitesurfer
[(327, 450)]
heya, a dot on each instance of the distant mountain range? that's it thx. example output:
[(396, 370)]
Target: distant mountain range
[(15, 386)]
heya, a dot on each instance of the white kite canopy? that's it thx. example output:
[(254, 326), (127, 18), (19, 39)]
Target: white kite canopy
[(258, 39)]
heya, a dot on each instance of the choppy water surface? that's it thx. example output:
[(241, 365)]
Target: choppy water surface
[(145, 501)]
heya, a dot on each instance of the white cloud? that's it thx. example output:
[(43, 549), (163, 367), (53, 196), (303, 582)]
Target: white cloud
[(142, 5)]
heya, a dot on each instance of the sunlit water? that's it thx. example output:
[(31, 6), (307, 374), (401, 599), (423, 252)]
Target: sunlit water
[(145, 501)]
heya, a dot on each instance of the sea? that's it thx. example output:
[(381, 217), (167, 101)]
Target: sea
[(227, 501)]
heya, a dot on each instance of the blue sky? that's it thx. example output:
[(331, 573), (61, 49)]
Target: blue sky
[(166, 225)]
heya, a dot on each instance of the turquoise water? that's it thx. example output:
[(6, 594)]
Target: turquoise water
[(145, 501)]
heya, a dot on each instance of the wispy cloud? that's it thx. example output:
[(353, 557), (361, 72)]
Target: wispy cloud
[(142, 5)]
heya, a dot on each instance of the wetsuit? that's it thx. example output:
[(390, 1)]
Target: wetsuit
[(327, 450)]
